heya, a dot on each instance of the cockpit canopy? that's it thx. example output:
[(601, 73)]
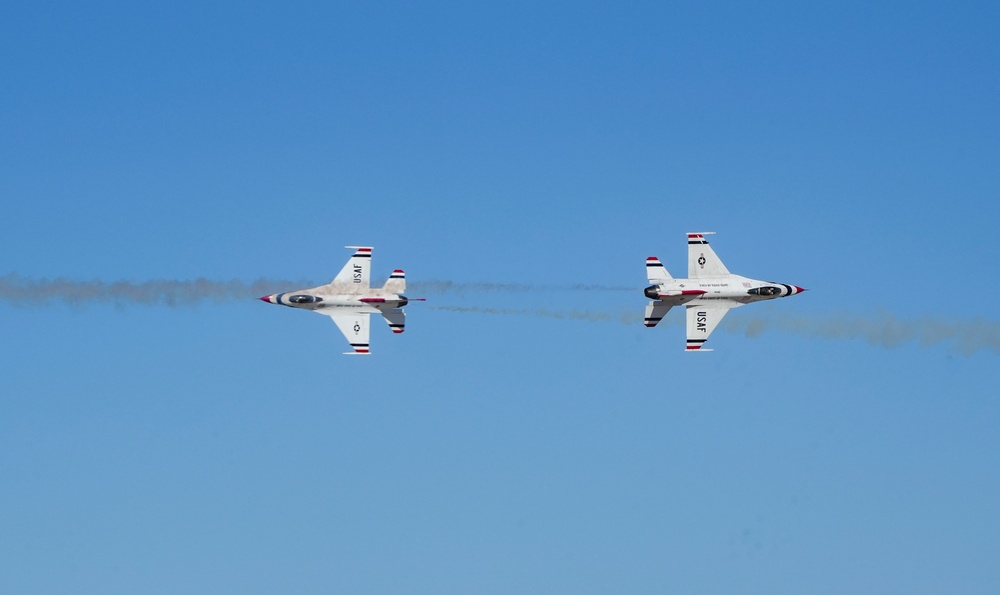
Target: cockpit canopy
[(304, 299), (766, 291)]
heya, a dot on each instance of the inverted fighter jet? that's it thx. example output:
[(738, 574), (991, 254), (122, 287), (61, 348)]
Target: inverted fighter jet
[(709, 292), (349, 300)]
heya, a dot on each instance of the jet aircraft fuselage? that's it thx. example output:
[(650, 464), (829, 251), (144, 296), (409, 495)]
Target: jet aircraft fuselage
[(735, 287), (319, 298), (709, 292), (349, 300)]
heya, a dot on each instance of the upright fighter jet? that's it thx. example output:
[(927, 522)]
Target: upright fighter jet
[(709, 291), (349, 300)]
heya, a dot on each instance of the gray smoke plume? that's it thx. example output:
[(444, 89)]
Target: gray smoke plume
[(24, 291), (27, 291), (883, 330), (455, 288), (623, 317)]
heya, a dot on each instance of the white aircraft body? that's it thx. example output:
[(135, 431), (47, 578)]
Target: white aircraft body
[(349, 300), (709, 292)]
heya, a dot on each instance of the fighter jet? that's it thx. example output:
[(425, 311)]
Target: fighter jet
[(349, 300), (709, 292)]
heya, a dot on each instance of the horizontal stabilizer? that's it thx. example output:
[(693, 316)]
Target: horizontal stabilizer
[(655, 311), (656, 272), (396, 282), (396, 319)]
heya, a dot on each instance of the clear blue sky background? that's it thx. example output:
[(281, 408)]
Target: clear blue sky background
[(230, 448)]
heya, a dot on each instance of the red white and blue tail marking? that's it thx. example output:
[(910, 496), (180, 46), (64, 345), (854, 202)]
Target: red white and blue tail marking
[(396, 319), (656, 272), (396, 282), (655, 311)]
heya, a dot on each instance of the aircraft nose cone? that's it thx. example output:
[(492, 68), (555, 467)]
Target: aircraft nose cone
[(799, 289), (266, 298)]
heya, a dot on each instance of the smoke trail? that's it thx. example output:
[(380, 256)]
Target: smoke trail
[(884, 330), (623, 317), (23, 291), (26, 291), (457, 288)]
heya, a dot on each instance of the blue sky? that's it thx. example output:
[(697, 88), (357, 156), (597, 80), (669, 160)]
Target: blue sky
[(229, 447)]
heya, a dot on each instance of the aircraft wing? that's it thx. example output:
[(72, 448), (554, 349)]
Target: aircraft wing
[(655, 311), (356, 274), (702, 261), (702, 320), (396, 319), (354, 325)]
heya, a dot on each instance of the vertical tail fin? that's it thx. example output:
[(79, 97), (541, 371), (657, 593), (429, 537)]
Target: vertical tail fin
[(396, 282)]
